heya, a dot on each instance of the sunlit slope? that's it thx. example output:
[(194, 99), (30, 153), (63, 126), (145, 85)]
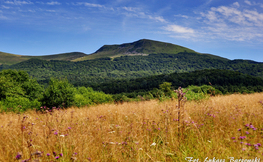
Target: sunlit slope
[(9, 59), (141, 47)]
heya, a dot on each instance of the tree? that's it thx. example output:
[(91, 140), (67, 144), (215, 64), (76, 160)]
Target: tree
[(59, 93)]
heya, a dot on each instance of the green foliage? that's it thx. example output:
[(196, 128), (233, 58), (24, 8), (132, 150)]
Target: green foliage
[(59, 93), (166, 87), (87, 96), (18, 92), (18, 104)]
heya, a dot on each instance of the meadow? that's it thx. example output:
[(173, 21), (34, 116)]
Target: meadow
[(219, 128)]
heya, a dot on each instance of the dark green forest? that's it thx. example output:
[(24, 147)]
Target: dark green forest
[(104, 70)]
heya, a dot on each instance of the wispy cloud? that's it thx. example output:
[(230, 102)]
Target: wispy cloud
[(16, 2), (179, 29), (53, 3), (90, 4), (233, 23), (248, 2), (136, 12)]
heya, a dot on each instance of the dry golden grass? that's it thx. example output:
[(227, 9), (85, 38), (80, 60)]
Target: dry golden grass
[(137, 131)]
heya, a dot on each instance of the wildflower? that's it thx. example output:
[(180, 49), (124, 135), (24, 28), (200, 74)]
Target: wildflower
[(19, 156), (57, 157), (153, 144), (56, 133), (242, 137), (247, 132), (69, 127), (48, 154), (254, 129), (61, 154), (243, 149), (239, 129), (248, 144), (258, 144), (233, 138)]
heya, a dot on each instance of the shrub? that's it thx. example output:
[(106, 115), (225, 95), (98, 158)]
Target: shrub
[(59, 93), (87, 96), (18, 104)]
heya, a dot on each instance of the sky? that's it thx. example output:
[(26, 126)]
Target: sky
[(231, 29)]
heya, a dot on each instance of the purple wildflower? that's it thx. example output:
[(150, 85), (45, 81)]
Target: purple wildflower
[(242, 137), (239, 129), (48, 154), (69, 127), (248, 144), (56, 133), (247, 132), (61, 154), (258, 144), (18, 156), (57, 157), (233, 138)]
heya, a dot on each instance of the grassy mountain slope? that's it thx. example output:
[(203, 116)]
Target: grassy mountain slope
[(9, 59), (141, 47)]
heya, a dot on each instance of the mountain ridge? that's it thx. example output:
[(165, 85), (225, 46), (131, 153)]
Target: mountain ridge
[(142, 47)]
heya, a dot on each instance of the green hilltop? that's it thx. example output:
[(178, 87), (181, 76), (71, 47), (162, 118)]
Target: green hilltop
[(10, 59), (142, 47)]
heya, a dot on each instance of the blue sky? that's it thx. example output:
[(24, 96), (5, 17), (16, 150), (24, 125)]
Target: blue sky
[(228, 28)]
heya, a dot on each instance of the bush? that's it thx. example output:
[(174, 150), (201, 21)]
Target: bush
[(18, 104), (59, 93), (87, 96)]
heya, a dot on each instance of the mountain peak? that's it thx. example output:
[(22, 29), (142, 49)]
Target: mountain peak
[(140, 47)]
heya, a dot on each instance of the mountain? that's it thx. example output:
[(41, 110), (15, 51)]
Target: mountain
[(9, 59), (143, 47), (142, 58)]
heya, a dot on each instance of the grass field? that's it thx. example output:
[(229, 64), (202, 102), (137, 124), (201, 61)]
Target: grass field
[(223, 127)]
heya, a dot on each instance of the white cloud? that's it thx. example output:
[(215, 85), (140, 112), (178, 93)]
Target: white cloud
[(157, 18), (5, 7), (91, 4), (179, 29), (16, 2), (248, 2), (131, 9), (53, 3), (183, 16), (236, 4), (233, 23)]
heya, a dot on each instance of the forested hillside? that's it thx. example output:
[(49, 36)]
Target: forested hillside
[(130, 67), (225, 81)]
